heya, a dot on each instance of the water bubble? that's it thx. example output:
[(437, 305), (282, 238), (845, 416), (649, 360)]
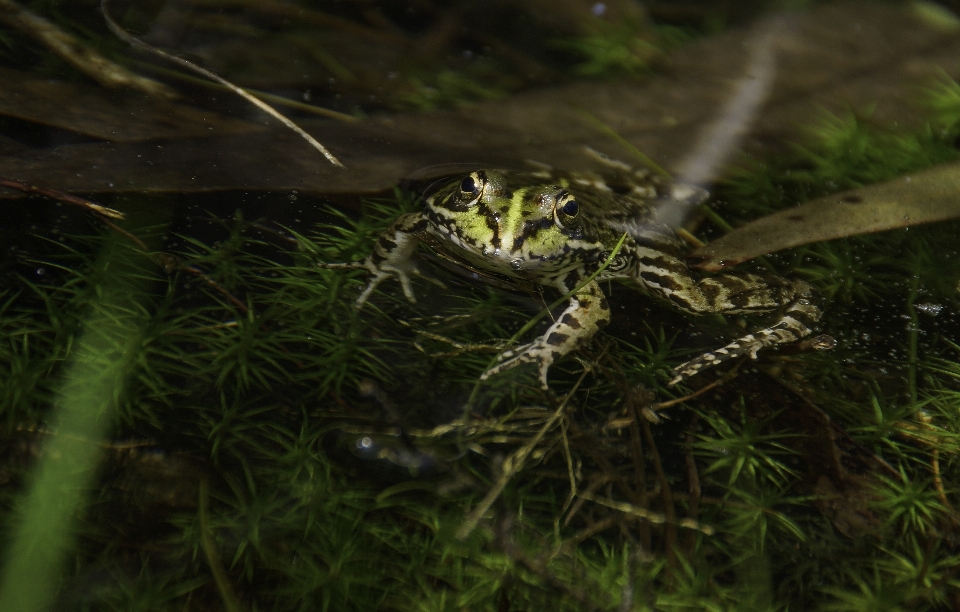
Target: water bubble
[(516, 264), (930, 309)]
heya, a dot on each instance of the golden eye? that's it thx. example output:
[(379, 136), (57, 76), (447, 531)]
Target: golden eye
[(566, 209), (471, 188)]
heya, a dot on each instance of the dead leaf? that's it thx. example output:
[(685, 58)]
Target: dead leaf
[(846, 55), (920, 197), (105, 114)]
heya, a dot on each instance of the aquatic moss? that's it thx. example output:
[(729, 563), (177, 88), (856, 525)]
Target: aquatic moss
[(317, 457)]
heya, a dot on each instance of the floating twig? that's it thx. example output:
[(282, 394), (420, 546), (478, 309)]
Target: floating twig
[(727, 377), (136, 42), (909, 431), (637, 457), (171, 262), (62, 196), (266, 97), (167, 261), (513, 464), (653, 517)]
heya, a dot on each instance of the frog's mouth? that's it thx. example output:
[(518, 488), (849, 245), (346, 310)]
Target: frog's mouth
[(517, 264)]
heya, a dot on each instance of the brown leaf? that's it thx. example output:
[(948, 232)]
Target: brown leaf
[(920, 197), (840, 56), (105, 114)]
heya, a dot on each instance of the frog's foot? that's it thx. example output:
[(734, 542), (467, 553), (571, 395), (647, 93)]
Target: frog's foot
[(797, 322), (539, 351), (393, 256), (379, 274), (382, 273), (584, 316)]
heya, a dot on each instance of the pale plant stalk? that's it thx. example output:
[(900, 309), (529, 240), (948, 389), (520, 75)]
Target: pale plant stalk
[(136, 42), (722, 137)]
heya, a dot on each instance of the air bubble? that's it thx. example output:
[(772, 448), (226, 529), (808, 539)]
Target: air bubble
[(930, 309)]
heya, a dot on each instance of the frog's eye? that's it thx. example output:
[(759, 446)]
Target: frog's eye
[(566, 210), (471, 188), (468, 185)]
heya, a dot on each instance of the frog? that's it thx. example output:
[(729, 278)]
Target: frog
[(559, 229)]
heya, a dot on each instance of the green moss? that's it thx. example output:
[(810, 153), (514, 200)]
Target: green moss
[(338, 461), (943, 98), (449, 88), (622, 49)]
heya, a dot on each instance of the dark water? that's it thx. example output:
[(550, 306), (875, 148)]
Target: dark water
[(195, 416)]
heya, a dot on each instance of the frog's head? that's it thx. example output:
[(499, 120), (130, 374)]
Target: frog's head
[(511, 220)]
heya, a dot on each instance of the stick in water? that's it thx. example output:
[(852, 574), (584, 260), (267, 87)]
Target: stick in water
[(136, 42)]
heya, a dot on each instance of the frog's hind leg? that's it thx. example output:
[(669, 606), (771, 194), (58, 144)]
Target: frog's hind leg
[(586, 313), (796, 322), (732, 293), (393, 256)]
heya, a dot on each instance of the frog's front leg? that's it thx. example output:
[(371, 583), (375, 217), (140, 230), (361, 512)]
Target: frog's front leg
[(393, 255), (586, 313)]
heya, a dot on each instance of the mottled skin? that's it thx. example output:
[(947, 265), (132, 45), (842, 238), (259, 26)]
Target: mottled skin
[(556, 229)]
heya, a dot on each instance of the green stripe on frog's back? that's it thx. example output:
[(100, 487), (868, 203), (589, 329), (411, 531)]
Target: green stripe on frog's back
[(535, 233), (508, 231), (516, 213)]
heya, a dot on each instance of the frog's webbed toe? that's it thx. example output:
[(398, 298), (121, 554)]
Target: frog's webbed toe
[(383, 274), (539, 351), (380, 273), (393, 256)]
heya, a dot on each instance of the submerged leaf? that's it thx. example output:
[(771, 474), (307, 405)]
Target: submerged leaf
[(920, 197)]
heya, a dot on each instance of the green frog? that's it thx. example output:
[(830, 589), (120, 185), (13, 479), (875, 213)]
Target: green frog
[(556, 229)]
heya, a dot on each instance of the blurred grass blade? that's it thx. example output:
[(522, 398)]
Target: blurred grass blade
[(43, 532)]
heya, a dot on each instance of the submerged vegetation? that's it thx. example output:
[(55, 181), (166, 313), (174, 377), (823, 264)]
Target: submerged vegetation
[(374, 56), (275, 449), (269, 447)]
